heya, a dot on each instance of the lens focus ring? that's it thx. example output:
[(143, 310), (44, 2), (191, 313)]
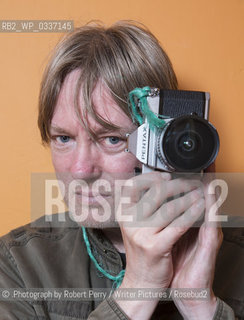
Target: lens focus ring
[(160, 152)]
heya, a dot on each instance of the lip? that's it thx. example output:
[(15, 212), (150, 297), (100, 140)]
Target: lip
[(92, 194), (90, 198)]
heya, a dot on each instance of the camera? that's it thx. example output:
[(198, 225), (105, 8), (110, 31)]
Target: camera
[(185, 142)]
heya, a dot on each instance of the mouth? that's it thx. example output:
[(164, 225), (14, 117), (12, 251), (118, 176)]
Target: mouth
[(91, 198)]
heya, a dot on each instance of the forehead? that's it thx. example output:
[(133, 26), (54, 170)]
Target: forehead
[(102, 100)]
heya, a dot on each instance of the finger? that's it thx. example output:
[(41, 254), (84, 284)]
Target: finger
[(171, 210), (160, 191), (212, 218), (175, 230), (132, 190), (210, 235), (210, 201), (210, 232), (211, 196), (207, 249), (138, 185)]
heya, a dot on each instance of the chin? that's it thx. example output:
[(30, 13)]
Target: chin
[(92, 214), (93, 217)]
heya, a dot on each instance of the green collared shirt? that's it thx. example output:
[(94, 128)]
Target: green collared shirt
[(53, 255)]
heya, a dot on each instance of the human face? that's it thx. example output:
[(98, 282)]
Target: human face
[(81, 163)]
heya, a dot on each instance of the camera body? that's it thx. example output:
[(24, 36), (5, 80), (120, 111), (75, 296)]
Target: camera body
[(186, 142)]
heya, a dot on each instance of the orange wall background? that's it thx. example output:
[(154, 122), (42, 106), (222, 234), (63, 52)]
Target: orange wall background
[(203, 38)]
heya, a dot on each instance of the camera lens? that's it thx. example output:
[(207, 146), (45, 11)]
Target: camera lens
[(189, 143)]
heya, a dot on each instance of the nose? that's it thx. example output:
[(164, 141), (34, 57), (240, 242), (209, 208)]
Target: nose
[(85, 163)]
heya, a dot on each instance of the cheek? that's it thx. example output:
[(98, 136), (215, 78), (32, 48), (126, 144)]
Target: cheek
[(124, 162), (60, 162)]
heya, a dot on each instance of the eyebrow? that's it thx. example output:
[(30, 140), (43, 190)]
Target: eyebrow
[(120, 130), (102, 130), (59, 130)]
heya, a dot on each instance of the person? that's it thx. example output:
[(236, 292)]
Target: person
[(84, 117)]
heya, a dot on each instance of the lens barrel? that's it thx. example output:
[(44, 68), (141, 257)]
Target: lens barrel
[(188, 144)]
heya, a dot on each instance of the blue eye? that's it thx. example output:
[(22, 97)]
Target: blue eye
[(64, 139), (114, 140), (112, 144)]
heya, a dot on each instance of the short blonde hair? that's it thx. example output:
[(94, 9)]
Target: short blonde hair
[(124, 56)]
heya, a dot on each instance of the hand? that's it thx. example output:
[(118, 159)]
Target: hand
[(194, 258), (149, 246)]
